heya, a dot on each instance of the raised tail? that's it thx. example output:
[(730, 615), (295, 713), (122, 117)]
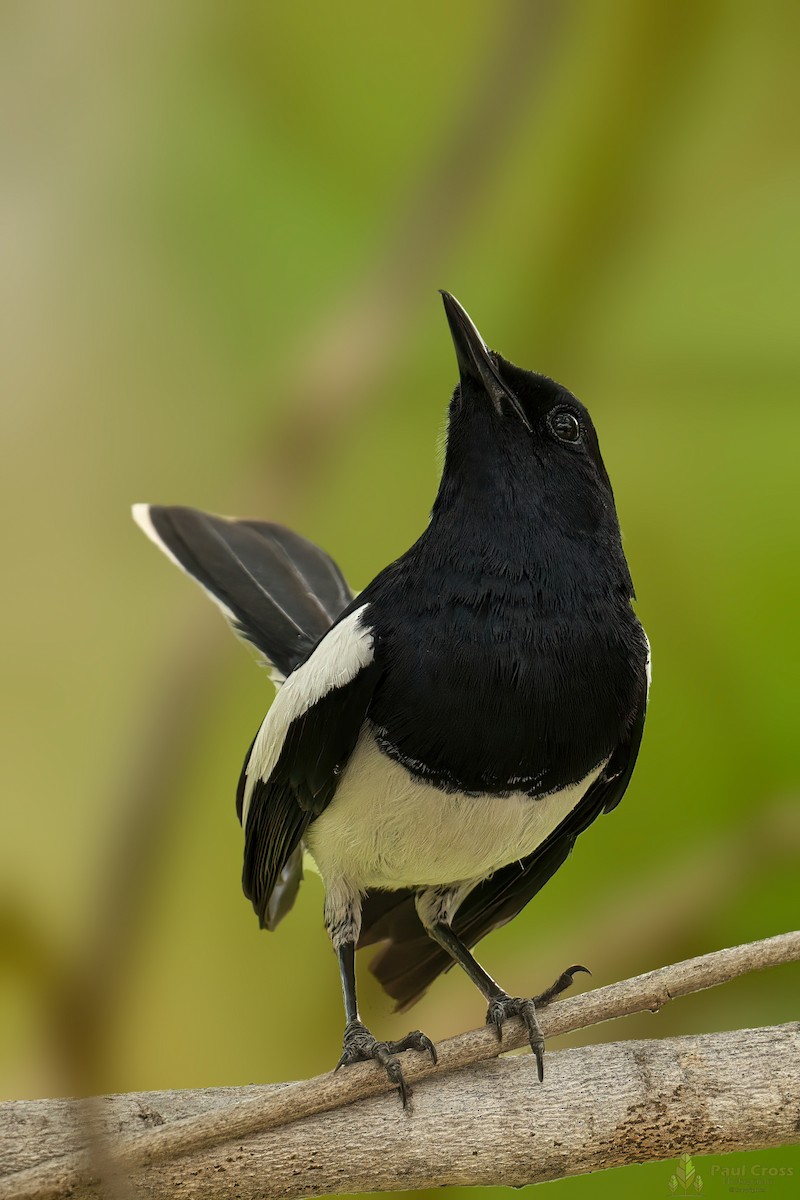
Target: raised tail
[(278, 591)]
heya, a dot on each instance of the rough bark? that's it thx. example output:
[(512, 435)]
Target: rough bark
[(723, 1090), (492, 1123)]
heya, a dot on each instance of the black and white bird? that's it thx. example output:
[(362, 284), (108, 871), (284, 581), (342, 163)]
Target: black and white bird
[(439, 740)]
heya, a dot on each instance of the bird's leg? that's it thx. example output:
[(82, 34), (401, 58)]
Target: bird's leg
[(436, 908), (343, 921)]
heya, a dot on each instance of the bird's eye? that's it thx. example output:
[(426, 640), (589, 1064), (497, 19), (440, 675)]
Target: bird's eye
[(564, 425)]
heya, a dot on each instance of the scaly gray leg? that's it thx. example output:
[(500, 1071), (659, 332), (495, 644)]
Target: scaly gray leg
[(436, 908), (343, 920)]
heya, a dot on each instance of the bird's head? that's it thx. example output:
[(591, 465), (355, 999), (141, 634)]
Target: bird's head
[(520, 444)]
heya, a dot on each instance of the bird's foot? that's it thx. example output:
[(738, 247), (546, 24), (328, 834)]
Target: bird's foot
[(502, 1007), (360, 1046)]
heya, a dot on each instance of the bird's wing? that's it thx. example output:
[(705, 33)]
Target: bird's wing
[(278, 590), (293, 767), (411, 961)]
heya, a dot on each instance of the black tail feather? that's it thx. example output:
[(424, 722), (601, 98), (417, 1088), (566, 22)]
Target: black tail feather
[(409, 960), (278, 590)]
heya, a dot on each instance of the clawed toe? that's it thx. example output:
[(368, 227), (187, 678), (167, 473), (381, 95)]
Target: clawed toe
[(565, 980), (414, 1041), (361, 1046), (502, 1007)]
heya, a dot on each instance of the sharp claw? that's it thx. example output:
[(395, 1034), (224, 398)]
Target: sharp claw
[(538, 1052), (503, 1006), (511, 1006), (360, 1045), (565, 980), (414, 1041), (395, 1074)]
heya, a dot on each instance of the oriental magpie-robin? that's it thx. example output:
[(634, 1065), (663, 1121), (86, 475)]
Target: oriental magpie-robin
[(438, 741)]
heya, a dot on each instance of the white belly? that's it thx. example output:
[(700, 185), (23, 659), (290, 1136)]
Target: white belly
[(384, 828)]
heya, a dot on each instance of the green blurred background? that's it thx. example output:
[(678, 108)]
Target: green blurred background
[(223, 230)]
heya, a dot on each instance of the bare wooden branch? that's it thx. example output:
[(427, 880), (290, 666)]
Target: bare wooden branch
[(253, 1112), (492, 1123)]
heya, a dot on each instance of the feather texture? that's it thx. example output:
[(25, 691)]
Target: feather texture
[(410, 961), (463, 722), (293, 768), (279, 591)]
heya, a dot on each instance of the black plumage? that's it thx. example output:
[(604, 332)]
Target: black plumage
[(279, 591), (444, 737)]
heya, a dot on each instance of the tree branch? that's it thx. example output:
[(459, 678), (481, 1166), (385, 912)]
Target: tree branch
[(491, 1123), (722, 1091)]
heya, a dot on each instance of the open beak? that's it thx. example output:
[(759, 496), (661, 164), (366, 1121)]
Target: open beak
[(474, 359)]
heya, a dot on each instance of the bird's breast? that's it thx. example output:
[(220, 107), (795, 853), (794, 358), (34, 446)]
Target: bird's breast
[(387, 828), (498, 697)]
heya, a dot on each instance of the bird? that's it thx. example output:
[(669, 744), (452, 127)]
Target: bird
[(438, 741)]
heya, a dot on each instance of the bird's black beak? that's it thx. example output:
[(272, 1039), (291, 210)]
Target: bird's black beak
[(474, 359)]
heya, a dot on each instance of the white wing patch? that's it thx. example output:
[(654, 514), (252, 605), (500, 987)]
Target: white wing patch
[(335, 662), (648, 668)]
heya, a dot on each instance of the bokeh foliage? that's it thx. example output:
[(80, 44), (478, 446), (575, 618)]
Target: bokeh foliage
[(223, 230)]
